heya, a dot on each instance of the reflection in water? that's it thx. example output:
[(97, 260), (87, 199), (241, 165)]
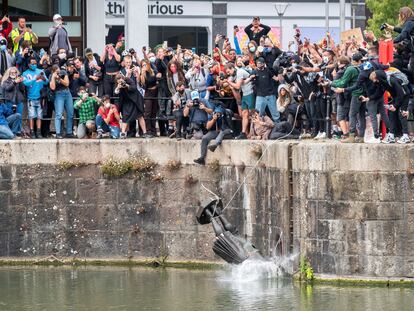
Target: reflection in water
[(89, 288)]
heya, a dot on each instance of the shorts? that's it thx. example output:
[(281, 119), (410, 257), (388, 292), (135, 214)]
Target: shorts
[(35, 110), (248, 102), (342, 113)]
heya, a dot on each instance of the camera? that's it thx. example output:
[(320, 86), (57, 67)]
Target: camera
[(30, 52), (222, 76), (122, 83), (383, 27), (196, 102)]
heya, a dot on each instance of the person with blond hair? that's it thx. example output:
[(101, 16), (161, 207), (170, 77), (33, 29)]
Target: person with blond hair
[(13, 89)]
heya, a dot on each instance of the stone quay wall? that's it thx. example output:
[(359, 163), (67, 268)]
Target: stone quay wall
[(348, 208)]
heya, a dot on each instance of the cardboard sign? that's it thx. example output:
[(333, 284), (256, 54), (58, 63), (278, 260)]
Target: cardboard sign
[(350, 34)]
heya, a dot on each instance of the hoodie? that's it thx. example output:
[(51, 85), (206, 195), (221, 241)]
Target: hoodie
[(400, 94), (33, 86)]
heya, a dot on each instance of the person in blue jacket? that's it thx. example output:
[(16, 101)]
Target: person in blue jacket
[(10, 123), (35, 80)]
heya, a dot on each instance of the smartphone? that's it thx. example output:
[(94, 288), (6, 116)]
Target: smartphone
[(235, 27), (165, 44), (193, 50)]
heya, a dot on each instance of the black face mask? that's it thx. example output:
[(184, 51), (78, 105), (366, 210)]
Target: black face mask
[(181, 91), (246, 62)]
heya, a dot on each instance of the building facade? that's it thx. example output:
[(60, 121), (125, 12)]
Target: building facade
[(191, 23)]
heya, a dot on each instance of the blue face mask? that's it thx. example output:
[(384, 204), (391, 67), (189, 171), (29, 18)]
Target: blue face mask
[(267, 50), (33, 67), (3, 47)]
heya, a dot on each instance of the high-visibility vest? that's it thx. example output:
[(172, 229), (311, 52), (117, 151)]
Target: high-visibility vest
[(15, 33)]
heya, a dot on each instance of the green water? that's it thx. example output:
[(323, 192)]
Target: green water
[(90, 288)]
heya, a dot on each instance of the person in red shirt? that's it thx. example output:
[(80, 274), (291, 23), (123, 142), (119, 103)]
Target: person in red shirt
[(107, 119), (6, 26)]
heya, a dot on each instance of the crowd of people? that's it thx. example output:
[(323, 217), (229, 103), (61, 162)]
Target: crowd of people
[(257, 91)]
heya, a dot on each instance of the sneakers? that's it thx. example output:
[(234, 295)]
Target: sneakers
[(373, 140), (389, 139), (123, 135), (349, 139), (39, 134), (241, 136), (212, 148), (200, 161), (305, 136), (32, 134), (99, 135), (59, 136), (359, 140), (404, 139), (322, 135), (147, 135)]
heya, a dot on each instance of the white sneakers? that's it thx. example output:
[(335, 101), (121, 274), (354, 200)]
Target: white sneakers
[(321, 135), (404, 139), (372, 140), (389, 139)]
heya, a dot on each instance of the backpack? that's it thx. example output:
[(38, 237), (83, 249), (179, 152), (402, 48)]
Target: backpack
[(394, 72)]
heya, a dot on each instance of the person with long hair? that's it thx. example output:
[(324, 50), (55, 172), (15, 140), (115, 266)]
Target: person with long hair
[(112, 65), (13, 88), (406, 20), (148, 81), (130, 104)]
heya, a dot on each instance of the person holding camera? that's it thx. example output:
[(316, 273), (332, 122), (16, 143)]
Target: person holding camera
[(34, 80), (23, 56), (197, 110), (131, 105), (22, 33), (218, 128), (13, 90), (93, 72), (86, 105), (59, 84), (180, 99), (197, 78), (58, 35), (76, 80), (107, 119)]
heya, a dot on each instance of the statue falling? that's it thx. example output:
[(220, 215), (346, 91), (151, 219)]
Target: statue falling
[(228, 244)]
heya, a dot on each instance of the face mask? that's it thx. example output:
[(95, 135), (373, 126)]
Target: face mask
[(267, 50), (181, 91), (3, 48), (252, 49), (107, 105), (81, 94), (152, 59), (326, 59), (13, 76), (246, 62), (33, 67), (62, 55)]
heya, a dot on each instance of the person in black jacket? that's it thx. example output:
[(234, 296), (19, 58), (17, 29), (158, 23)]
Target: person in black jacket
[(13, 90), (406, 18), (161, 63), (398, 107), (93, 72), (256, 30)]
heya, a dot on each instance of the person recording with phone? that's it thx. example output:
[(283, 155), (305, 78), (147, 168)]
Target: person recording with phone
[(34, 80), (107, 119), (22, 33), (111, 61), (58, 35)]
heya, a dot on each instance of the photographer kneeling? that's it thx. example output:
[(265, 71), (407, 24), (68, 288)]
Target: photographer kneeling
[(218, 127), (197, 109), (86, 105), (107, 119)]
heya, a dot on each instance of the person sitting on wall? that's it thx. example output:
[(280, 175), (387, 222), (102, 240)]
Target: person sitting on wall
[(10, 123), (219, 128), (107, 119)]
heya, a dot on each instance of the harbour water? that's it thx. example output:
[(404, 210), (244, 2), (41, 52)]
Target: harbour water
[(114, 288)]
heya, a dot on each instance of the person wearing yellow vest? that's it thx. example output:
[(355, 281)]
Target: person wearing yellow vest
[(22, 33)]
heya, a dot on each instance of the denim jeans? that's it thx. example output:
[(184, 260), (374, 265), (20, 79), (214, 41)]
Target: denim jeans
[(374, 107), (63, 100), (101, 125), (268, 101), (19, 107), (14, 126), (218, 136)]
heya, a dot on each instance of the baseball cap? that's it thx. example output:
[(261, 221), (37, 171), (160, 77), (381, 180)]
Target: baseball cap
[(56, 17), (357, 57), (195, 95), (260, 60)]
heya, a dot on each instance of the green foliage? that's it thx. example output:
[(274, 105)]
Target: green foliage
[(116, 168), (67, 165), (141, 165), (384, 11), (305, 269)]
